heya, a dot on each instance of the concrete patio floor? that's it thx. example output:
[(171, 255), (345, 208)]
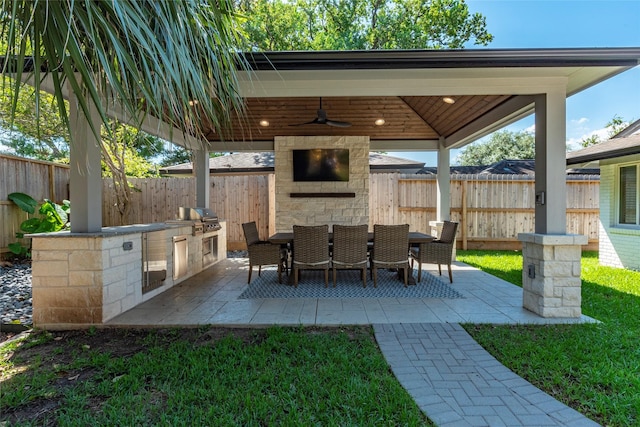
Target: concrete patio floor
[(211, 298)]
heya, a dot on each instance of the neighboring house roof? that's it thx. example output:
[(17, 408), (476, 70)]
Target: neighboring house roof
[(615, 147), (506, 167), (264, 162)]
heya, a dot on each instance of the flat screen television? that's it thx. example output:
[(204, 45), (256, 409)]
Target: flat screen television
[(321, 164)]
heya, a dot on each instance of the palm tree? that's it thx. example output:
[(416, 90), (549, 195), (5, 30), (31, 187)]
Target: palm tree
[(175, 60)]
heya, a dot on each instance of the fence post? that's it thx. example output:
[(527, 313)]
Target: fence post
[(463, 219)]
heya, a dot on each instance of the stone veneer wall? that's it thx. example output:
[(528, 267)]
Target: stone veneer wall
[(555, 288), (77, 280), (322, 210), (81, 280)]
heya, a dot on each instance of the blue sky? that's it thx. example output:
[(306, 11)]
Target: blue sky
[(566, 24)]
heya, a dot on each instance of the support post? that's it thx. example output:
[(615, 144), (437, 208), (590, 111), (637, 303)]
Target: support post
[(551, 285), (85, 179), (443, 203), (550, 184), (201, 169)]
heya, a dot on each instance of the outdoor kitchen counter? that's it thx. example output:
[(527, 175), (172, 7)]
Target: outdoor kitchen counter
[(89, 278), (118, 230)]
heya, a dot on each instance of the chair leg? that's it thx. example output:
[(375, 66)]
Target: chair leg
[(439, 269), (364, 277), (450, 276), (250, 270), (374, 273), (295, 276), (326, 278), (279, 273), (419, 271), (406, 275), (259, 270)]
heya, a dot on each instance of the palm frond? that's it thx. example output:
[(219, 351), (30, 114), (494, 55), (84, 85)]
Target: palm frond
[(175, 60)]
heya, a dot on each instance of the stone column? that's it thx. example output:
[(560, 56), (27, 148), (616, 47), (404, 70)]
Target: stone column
[(551, 284)]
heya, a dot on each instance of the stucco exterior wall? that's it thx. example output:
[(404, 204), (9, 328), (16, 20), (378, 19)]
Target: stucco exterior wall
[(619, 246), (321, 210)]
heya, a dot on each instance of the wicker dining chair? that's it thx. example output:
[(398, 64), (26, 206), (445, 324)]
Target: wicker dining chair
[(310, 250), (439, 251), (350, 250), (262, 252), (390, 249)]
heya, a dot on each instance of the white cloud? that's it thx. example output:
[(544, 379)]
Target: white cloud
[(580, 121), (575, 142)]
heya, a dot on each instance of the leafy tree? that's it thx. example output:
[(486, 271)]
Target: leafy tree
[(502, 145), (361, 24), (176, 155), (613, 126), (37, 130), (126, 151)]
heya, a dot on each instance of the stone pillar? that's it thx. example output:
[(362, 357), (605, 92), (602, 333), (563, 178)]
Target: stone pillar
[(551, 284)]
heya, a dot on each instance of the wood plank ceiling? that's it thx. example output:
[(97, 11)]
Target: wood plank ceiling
[(405, 118)]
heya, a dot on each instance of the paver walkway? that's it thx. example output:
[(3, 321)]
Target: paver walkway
[(457, 383)]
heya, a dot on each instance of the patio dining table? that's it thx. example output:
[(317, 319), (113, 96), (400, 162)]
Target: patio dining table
[(415, 238)]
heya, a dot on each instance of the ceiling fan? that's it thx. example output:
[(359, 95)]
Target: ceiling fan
[(321, 119)]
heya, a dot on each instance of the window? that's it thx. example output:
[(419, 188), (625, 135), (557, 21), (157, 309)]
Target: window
[(629, 200)]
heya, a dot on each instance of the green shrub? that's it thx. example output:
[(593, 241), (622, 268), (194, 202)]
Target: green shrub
[(52, 217)]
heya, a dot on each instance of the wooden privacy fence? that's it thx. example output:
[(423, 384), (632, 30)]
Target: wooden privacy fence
[(234, 198), (492, 209), (41, 180)]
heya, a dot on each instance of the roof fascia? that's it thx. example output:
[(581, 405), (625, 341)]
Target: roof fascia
[(446, 58), (595, 157)]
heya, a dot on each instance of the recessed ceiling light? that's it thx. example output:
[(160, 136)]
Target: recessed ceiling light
[(449, 100), (379, 122), (264, 123)]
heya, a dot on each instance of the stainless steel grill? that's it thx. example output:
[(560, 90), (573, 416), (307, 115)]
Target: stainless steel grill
[(204, 220)]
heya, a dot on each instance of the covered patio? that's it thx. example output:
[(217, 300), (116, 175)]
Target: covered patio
[(426, 100), (212, 297)]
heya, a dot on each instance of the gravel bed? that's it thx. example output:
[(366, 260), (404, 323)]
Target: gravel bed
[(15, 291), (15, 294)]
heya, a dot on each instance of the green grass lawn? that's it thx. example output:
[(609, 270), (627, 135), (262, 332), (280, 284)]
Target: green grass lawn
[(314, 376), (208, 376), (594, 368)]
